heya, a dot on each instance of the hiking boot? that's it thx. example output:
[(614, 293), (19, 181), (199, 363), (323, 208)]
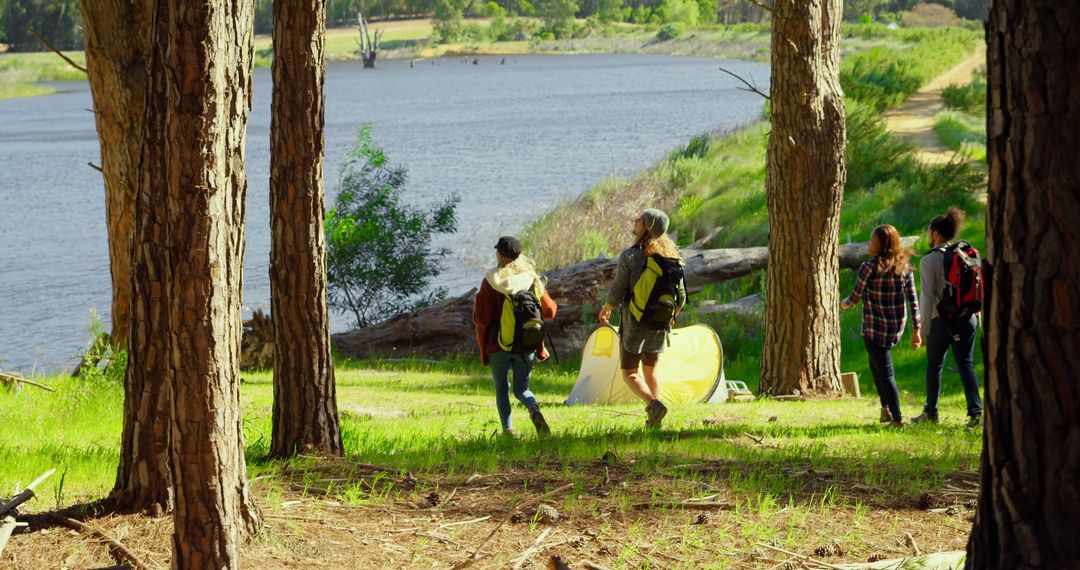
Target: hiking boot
[(974, 422), (656, 411), (925, 418), (886, 415), (538, 420)]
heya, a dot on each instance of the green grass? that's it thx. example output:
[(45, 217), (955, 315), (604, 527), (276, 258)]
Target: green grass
[(20, 72), (963, 133), (439, 418)]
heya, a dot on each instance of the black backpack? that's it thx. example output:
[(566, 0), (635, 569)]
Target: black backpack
[(521, 326), (654, 298), (963, 292)]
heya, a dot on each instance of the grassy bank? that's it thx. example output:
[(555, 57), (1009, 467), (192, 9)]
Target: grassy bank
[(798, 475), (20, 74)]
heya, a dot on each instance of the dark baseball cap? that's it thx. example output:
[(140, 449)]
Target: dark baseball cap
[(509, 246)]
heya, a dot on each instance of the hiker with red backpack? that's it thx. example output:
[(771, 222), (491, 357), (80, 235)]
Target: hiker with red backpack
[(511, 307), (951, 275), (649, 285), (884, 285)]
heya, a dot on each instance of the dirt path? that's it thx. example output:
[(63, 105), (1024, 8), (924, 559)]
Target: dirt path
[(913, 120)]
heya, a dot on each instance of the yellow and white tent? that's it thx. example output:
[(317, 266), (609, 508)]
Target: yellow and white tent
[(691, 369)]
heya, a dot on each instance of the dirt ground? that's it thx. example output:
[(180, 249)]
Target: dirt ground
[(913, 120), (616, 522)]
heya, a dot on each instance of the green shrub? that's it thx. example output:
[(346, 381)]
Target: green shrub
[(682, 12), (970, 98), (558, 16), (669, 32), (448, 22), (872, 154), (963, 133)]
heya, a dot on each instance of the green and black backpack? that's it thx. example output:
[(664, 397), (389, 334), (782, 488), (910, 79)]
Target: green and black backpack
[(655, 296), (521, 327)]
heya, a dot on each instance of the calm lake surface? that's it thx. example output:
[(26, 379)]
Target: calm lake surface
[(510, 139)]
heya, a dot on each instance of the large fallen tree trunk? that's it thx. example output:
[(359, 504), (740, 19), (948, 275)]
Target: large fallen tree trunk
[(446, 328)]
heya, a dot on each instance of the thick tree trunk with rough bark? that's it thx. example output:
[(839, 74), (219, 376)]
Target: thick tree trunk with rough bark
[(1029, 502), (117, 38), (117, 45), (804, 188), (206, 55), (305, 404)]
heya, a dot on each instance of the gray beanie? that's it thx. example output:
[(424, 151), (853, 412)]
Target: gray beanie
[(656, 222)]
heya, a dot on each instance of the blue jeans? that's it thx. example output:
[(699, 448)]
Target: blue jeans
[(884, 377), (960, 335), (501, 363)]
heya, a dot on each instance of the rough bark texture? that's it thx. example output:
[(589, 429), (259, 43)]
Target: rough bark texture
[(1029, 503), (117, 66), (305, 414), (447, 328), (117, 38), (804, 187), (205, 50)]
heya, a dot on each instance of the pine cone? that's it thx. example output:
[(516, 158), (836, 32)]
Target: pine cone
[(926, 501), (876, 556), (547, 514), (433, 499), (702, 518)]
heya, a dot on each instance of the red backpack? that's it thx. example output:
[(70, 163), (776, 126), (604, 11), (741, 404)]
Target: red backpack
[(963, 292)]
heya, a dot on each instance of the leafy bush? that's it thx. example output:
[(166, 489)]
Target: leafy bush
[(669, 32), (929, 16), (970, 98), (101, 362), (380, 257), (558, 16), (872, 154), (447, 22)]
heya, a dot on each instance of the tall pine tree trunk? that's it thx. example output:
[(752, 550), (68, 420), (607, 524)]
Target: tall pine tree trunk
[(117, 37), (117, 44), (206, 54), (305, 405), (804, 188), (1029, 501)]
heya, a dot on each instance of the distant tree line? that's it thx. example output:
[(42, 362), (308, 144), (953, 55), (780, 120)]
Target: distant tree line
[(58, 21)]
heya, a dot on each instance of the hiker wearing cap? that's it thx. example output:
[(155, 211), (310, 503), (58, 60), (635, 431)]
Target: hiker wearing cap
[(509, 312), (649, 286), (884, 284), (951, 296)]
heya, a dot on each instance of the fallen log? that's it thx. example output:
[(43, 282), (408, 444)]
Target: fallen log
[(447, 328), (25, 495)]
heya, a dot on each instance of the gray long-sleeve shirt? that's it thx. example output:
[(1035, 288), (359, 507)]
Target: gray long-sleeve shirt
[(932, 281)]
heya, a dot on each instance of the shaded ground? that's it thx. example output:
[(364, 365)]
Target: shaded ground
[(913, 120)]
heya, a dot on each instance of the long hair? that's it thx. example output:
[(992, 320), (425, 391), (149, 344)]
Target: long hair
[(949, 224), (524, 264), (892, 255), (662, 245)]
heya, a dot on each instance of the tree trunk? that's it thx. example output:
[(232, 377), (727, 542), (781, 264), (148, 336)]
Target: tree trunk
[(305, 405), (117, 38), (1029, 502), (206, 55), (804, 188)]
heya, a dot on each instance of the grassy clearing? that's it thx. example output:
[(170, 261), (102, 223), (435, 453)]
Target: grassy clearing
[(800, 474), (962, 132)]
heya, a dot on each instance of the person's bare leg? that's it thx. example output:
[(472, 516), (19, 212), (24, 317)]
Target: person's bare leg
[(638, 385), (650, 380)]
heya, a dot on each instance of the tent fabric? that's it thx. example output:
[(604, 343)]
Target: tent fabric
[(690, 370)]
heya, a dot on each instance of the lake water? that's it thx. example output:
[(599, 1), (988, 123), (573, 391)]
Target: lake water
[(511, 139)]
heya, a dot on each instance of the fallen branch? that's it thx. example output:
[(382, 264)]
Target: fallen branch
[(18, 378), (472, 558), (532, 550), (689, 505), (25, 495), (119, 550), (750, 87), (46, 43), (7, 526), (459, 523), (759, 440), (799, 556), (911, 542)]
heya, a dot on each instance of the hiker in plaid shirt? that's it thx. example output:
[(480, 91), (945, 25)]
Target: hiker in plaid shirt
[(884, 284)]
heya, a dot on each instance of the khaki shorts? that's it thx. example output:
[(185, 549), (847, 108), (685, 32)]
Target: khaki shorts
[(630, 361)]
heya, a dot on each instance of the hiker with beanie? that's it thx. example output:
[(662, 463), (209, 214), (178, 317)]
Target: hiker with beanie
[(650, 287), (951, 297), (884, 284), (509, 312)]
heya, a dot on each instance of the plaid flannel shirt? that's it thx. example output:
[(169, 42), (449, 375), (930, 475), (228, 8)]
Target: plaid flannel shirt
[(883, 295)]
